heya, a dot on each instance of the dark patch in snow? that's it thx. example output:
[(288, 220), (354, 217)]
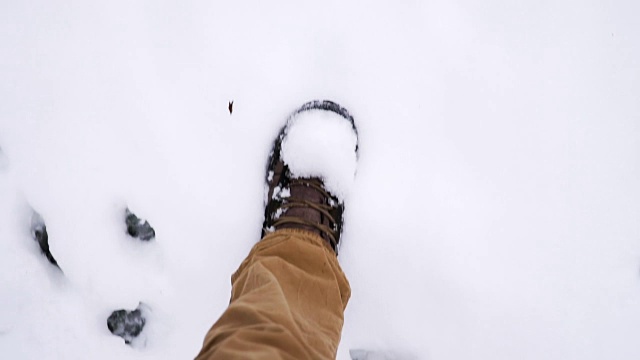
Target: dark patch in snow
[(127, 324), (39, 234), (230, 107), (138, 228)]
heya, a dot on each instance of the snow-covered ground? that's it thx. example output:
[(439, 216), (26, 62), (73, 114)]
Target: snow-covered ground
[(495, 213)]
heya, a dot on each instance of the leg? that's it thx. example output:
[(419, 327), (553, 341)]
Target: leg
[(287, 302)]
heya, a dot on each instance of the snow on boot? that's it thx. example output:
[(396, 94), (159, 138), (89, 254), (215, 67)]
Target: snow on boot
[(310, 171)]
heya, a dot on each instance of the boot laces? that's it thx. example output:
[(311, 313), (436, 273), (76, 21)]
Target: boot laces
[(323, 208)]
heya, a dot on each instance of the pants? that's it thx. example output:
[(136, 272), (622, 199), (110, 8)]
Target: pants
[(287, 302)]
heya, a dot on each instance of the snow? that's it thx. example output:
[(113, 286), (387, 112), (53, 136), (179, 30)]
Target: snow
[(495, 213), (322, 144), (4, 163)]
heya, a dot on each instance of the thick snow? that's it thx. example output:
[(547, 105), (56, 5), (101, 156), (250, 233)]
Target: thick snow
[(322, 144), (495, 213)]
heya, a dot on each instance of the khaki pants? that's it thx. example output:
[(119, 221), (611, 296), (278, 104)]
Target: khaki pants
[(287, 302)]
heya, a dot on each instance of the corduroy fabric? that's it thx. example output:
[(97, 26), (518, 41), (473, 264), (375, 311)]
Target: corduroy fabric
[(287, 302)]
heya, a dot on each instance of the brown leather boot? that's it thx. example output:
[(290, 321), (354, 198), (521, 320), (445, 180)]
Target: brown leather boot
[(303, 202)]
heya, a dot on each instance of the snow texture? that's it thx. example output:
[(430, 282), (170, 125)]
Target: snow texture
[(358, 354), (4, 163), (321, 143), (495, 213)]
